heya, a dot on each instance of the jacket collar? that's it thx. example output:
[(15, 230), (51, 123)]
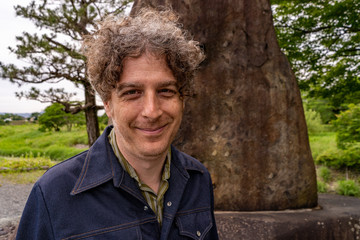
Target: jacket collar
[(101, 165)]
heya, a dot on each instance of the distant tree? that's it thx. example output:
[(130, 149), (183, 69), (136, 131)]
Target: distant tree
[(55, 55), (322, 42), (11, 116), (54, 118), (35, 115)]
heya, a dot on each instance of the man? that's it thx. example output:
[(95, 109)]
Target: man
[(131, 184)]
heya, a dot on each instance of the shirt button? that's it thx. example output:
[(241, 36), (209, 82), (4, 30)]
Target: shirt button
[(146, 208), (198, 233), (169, 204)]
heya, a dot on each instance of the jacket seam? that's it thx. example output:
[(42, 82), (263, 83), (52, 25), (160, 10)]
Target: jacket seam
[(47, 210), (83, 173), (190, 234), (110, 229), (91, 185), (190, 211)]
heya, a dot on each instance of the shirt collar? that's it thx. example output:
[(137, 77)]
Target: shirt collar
[(126, 165)]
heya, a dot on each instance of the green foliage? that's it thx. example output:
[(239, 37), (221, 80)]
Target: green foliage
[(313, 121), (35, 115), (321, 106), (330, 158), (61, 152), (348, 126), (25, 164), (22, 140), (348, 188), (325, 174), (341, 159), (103, 121), (11, 116), (321, 40), (322, 142), (54, 118), (321, 187)]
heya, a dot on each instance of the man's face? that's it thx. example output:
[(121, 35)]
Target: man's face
[(146, 107)]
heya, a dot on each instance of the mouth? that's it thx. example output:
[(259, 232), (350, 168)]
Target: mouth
[(152, 130)]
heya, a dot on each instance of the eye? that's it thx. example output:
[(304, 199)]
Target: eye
[(131, 94), (167, 92)]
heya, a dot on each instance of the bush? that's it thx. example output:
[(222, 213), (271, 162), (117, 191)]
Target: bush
[(321, 106), (24, 164), (321, 187), (324, 173), (351, 157), (330, 158), (347, 126), (341, 159), (313, 122), (348, 188)]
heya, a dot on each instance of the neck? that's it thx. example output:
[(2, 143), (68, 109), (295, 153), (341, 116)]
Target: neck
[(149, 169)]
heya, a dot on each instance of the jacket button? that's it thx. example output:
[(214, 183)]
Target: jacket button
[(169, 204), (198, 233), (146, 208)]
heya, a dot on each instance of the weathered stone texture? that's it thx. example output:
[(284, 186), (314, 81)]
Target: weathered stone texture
[(246, 121), (337, 219)]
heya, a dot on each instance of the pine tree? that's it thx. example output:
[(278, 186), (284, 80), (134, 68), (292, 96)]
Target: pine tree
[(54, 55)]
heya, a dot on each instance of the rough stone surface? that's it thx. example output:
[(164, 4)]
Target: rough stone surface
[(337, 218), (246, 121)]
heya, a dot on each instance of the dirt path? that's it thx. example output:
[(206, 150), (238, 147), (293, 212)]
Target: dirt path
[(12, 201)]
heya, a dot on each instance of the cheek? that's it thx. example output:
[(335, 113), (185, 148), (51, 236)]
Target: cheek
[(178, 109)]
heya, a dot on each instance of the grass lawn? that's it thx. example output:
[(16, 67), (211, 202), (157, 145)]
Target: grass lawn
[(322, 142), (27, 140)]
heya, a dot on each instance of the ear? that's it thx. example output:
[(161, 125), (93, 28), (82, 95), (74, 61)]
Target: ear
[(108, 108)]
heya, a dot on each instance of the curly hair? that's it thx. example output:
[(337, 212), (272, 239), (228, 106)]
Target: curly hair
[(156, 32)]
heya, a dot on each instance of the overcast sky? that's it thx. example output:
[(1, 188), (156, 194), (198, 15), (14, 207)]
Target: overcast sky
[(12, 26)]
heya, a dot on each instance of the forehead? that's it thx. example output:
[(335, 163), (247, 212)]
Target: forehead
[(147, 68)]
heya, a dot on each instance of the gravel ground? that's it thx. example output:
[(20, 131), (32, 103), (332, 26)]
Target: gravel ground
[(12, 201)]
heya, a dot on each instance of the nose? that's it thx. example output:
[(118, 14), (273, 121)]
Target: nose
[(151, 106)]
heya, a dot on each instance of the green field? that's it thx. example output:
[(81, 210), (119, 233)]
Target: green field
[(27, 141)]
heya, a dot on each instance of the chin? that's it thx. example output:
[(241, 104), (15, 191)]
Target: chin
[(154, 151)]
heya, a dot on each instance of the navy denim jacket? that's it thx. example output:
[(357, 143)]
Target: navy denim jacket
[(90, 196)]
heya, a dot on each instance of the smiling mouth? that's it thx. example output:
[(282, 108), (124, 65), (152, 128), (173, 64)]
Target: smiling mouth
[(152, 131)]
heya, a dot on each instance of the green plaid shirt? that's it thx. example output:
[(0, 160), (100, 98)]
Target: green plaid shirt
[(155, 201)]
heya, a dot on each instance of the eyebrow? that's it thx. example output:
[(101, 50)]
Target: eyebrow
[(122, 86)]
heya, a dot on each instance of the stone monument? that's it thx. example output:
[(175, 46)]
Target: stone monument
[(246, 121)]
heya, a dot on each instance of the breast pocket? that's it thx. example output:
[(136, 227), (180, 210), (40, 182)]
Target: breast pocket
[(194, 225)]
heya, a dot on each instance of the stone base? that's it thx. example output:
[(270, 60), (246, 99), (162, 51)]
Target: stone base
[(336, 218)]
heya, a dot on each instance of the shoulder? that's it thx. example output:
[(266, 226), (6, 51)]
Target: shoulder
[(188, 162), (63, 175)]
